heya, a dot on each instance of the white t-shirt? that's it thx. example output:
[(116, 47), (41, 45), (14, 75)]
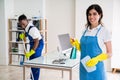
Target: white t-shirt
[(33, 32), (103, 35)]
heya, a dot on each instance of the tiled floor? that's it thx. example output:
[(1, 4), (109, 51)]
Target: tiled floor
[(15, 73)]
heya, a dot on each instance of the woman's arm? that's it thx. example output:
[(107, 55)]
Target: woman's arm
[(108, 48)]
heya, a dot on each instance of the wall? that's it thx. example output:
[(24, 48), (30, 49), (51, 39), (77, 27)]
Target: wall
[(115, 33), (2, 30), (30, 8), (81, 7), (6, 8), (60, 15)]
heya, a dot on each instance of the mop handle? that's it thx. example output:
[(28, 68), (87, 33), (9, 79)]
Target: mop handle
[(24, 46), (27, 59)]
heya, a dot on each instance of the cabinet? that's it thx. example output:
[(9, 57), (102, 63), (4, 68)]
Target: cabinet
[(16, 46)]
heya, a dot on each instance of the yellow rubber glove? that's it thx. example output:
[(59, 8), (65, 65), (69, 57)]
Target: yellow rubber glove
[(22, 36), (92, 62), (28, 54), (72, 41), (75, 43)]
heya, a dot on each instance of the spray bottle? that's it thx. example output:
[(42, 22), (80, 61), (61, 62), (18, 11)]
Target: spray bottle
[(73, 53)]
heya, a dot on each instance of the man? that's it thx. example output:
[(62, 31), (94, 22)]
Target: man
[(36, 42)]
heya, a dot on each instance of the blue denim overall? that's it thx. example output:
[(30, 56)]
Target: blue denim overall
[(90, 47), (38, 51)]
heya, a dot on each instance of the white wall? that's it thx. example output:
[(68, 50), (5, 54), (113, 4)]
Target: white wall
[(82, 5), (30, 8), (115, 33), (6, 11), (60, 15), (2, 30)]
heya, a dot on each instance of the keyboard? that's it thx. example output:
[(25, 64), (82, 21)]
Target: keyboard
[(59, 61)]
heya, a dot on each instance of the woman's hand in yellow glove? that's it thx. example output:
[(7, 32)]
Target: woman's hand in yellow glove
[(92, 62), (77, 45), (74, 42)]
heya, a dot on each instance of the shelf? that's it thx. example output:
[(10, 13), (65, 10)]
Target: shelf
[(16, 64), (43, 30), (16, 53), (16, 30), (45, 42), (24, 31), (19, 42)]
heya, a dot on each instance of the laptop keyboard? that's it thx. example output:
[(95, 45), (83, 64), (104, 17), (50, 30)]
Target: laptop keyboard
[(59, 61)]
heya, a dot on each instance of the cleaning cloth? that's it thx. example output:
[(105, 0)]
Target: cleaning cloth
[(88, 69)]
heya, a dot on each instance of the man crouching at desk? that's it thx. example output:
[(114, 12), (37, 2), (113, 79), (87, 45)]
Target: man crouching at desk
[(36, 42)]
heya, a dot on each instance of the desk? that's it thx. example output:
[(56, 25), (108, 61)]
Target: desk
[(46, 63)]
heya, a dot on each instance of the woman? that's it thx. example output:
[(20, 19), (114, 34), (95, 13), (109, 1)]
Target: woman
[(91, 44), (92, 41)]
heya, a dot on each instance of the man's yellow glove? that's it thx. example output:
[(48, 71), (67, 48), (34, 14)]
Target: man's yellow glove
[(92, 62), (22, 36), (75, 43), (28, 54)]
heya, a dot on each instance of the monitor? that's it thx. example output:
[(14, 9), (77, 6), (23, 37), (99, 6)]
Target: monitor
[(64, 40)]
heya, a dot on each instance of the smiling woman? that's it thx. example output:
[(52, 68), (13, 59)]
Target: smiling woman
[(93, 38)]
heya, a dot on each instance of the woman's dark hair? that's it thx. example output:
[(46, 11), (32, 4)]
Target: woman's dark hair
[(22, 17), (98, 9)]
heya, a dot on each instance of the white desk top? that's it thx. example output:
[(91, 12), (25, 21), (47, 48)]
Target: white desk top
[(48, 59)]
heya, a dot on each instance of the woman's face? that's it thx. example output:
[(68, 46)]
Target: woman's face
[(93, 17)]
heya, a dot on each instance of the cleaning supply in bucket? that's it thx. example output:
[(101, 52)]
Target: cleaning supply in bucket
[(22, 60), (88, 69)]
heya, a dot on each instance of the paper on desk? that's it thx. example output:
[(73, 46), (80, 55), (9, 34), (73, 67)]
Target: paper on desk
[(88, 69)]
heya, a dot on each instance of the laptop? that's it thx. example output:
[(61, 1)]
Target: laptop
[(65, 49), (65, 46)]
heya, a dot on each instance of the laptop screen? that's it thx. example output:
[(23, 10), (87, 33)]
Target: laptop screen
[(64, 40)]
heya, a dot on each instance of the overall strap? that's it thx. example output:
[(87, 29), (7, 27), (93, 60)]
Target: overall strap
[(30, 28), (84, 32), (98, 31), (27, 33)]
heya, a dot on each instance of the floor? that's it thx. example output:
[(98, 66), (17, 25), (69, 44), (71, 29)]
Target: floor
[(15, 73)]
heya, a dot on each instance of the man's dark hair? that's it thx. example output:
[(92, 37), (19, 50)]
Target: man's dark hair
[(22, 17)]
